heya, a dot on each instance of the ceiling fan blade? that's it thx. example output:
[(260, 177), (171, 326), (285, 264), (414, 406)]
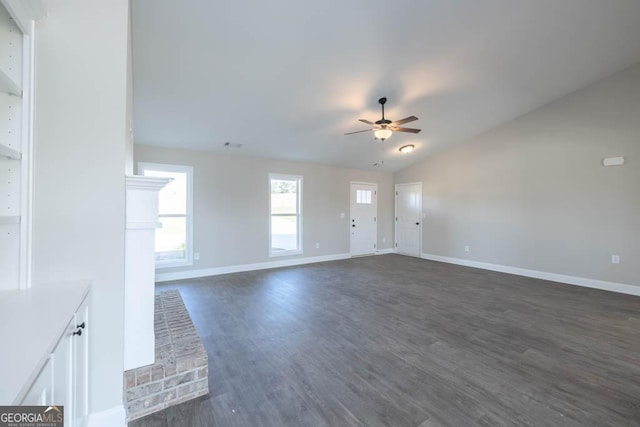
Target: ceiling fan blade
[(366, 121), (359, 131), (397, 129), (403, 121)]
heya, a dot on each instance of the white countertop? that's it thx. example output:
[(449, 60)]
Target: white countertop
[(31, 324)]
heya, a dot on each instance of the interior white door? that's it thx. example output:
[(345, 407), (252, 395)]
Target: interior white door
[(363, 221), (408, 218)]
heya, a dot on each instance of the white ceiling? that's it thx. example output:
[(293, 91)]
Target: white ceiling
[(288, 78)]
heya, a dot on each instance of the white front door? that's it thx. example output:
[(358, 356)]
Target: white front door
[(363, 224), (408, 218)]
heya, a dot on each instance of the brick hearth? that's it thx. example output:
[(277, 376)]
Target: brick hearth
[(180, 372)]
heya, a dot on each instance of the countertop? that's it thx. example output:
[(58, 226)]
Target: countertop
[(31, 324)]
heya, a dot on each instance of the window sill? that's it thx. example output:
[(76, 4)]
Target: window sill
[(163, 265), (285, 253)]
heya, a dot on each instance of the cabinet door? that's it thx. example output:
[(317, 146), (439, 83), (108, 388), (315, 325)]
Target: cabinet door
[(81, 368), (63, 370), (41, 390)]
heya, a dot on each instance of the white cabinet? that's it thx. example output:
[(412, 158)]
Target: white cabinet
[(81, 366), (62, 358), (53, 332), (64, 380), (41, 391)]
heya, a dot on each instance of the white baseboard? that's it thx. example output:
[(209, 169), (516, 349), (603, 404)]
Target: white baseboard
[(193, 274), (113, 417), (562, 278), (386, 251)]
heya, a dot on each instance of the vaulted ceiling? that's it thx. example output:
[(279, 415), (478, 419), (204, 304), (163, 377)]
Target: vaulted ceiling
[(286, 79)]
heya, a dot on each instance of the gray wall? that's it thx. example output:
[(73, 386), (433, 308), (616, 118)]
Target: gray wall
[(533, 193), (79, 198), (231, 205)]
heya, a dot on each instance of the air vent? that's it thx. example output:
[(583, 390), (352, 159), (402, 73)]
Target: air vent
[(232, 145)]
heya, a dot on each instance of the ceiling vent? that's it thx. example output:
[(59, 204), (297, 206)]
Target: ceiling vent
[(232, 145)]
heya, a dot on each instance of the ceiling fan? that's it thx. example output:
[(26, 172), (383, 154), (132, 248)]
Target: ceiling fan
[(384, 128)]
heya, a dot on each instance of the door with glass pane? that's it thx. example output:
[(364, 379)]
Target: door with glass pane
[(363, 222)]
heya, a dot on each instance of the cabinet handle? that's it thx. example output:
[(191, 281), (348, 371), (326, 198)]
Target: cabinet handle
[(81, 325), (78, 332)]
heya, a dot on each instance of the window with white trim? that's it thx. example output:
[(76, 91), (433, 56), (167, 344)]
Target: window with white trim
[(174, 240), (285, 210)]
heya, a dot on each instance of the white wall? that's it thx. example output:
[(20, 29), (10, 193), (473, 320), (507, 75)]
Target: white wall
[(129, 167), (533, 193), (231, 205), (80, 132)]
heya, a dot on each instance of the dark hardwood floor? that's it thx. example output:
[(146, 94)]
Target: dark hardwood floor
[(398, 341)]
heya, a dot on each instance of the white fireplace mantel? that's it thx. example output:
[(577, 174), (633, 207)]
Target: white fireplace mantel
[(141, 222)]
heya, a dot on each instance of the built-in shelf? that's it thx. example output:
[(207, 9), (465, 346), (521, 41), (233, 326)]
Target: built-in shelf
[(9, 152), (7, 85), (5, 219)]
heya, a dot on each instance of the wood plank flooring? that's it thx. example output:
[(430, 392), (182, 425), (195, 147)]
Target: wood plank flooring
[(399, 341)]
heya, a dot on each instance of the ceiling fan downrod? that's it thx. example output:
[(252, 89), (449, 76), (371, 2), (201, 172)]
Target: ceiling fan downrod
[(383, 121)]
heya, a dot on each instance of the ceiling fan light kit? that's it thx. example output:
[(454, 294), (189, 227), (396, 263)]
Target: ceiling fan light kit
[(384, 128), (382, 133), (406, 149)]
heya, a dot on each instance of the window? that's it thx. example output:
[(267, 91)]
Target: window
[(285, 214), (363, 197), (174, 238)]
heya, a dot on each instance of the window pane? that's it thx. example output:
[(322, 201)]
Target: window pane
[(171, 239), (363, 197), (283, 196), (286, 203), (284, 233), (173, 196)]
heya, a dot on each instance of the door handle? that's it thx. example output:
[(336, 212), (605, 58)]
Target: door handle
[(417, 223), (353, 225)]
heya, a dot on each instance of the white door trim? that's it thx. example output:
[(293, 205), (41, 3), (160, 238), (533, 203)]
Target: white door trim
[(395, 230)]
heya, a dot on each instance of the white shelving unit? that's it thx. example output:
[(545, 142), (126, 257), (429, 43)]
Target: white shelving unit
[(8, 219), (9, 86), (12, 177), (10, 153)]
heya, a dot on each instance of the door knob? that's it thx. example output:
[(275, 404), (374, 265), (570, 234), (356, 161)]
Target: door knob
[(353, 225), (81, 325), (417, 223), (78, 332)]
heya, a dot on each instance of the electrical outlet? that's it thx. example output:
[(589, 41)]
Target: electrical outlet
[(342, 215), (466, 248), (317, 245), (615, 259), (196, 256)]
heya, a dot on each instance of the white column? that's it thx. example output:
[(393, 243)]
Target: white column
[(139, 276)]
